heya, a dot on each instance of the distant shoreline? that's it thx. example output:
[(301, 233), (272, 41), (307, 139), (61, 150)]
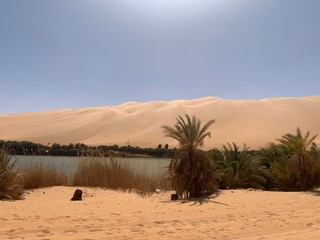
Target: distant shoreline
[(26, 148)]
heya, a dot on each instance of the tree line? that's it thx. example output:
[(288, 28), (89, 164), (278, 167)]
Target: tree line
[(80, 149), (292, 163)]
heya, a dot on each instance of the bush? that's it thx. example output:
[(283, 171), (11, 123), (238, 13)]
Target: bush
[(237, 168), (10, 187)]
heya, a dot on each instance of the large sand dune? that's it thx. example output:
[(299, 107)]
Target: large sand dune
[(254, 122)]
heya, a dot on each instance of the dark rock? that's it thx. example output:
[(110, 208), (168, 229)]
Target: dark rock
[(77, 196), (174, 197)]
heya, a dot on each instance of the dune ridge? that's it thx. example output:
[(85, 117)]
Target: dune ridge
[(254, 122)]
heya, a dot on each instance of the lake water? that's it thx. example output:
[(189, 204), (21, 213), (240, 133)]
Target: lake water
[(150, 166)]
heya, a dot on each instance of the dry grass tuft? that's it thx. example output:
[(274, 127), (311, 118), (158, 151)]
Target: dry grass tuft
[(111, 174), (37, 175)]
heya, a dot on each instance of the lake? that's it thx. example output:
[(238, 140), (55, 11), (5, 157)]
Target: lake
[(150, 166)]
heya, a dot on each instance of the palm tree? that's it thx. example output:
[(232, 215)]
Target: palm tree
[(301, 166), (190, 168), (294, 163), (273, 161), (238, 168)]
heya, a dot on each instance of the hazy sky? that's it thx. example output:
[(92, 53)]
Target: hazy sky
[(57, 54)]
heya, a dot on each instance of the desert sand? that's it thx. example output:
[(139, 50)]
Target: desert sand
[(254, 122), (104, 214)]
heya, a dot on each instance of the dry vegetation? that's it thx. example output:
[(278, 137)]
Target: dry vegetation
[(37, 175), (91, 172), (111, 174)]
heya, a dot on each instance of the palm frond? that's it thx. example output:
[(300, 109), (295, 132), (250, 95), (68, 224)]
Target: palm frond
[(238, 168)]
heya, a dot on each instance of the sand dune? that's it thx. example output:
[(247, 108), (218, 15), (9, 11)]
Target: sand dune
[(104, 214), (254, 122)]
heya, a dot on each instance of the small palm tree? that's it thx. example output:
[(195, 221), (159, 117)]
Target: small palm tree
[(270, 154), (238, 168), (190, 168), (301, 167), (10, 189), (294, 163), (272, 160)]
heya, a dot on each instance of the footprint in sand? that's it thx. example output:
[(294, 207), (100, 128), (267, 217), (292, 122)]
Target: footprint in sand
[(137, 230), (176, 223), (117, 214), (44, 233), (96, 230), (70, 231), (162, 232), (13, 231), (159, 222)]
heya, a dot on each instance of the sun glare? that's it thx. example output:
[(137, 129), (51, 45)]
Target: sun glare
[(172, 8)]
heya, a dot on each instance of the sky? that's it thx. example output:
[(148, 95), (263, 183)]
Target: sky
[(62, 54)]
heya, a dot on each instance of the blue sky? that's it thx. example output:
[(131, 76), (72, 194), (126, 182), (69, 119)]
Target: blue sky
[(58, 54)]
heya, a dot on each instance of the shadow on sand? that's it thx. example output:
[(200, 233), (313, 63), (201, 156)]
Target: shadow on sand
[(207, 198), (315, 192)]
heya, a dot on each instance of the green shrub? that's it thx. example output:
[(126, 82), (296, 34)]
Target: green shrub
[(237, 169)]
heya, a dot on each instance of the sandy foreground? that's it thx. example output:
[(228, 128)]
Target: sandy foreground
[(104, 214), (254, 122)]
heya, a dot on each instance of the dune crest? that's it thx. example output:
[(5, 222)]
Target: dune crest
[(254, 122)]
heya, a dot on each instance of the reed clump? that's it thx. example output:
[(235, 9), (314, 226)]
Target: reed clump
[(113, 175), (38, 175)]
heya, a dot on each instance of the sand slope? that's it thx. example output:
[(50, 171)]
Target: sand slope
[(253, 122), (104, 214)]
